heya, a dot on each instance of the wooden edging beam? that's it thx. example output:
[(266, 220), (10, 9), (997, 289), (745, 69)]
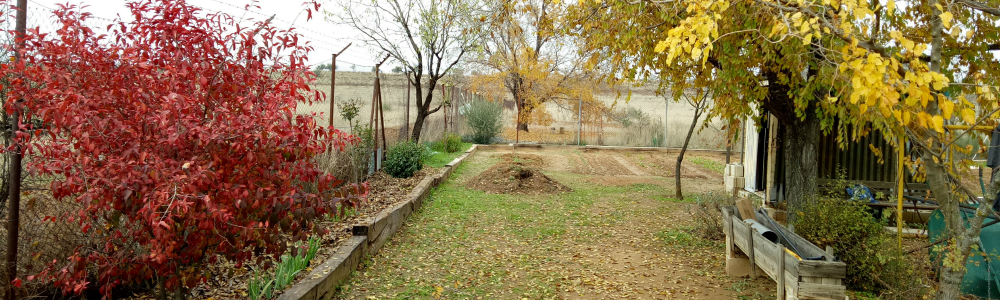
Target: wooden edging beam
[(603, 148), (324, 278), (368, 238)]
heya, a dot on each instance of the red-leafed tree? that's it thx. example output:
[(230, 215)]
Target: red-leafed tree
[(177, 135)]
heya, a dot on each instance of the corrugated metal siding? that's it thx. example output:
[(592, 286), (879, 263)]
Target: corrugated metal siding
[(858, 161)]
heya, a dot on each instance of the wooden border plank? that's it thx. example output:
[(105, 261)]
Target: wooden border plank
[(392, 222), (821, 291), (780, 271), (818, 268), (751, 250), (369, 236)]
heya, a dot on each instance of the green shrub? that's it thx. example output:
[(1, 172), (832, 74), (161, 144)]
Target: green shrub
[(485, 118), (451, 143), (873, 261), (404, 159), (855, 235)]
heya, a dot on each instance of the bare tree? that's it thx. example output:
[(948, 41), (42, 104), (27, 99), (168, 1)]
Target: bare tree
[(700, 103), (427, 37)]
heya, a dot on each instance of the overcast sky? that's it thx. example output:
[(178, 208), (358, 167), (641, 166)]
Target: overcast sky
[(325, 37)]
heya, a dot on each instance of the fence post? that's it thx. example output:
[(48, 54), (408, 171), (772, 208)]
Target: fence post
[(729, 144), (666, 114), (444, 99), (406, 125), (579, 120), (333, 82)]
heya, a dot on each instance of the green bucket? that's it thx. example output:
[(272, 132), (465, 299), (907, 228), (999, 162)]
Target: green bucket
[(981, 276)]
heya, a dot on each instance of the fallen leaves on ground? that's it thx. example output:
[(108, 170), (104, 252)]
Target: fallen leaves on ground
[(596, 242)]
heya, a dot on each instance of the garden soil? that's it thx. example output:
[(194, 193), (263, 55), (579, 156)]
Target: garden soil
[(516, 174)]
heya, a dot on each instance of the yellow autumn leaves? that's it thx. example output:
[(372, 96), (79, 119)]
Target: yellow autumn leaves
[(695, 34), (898, 88)]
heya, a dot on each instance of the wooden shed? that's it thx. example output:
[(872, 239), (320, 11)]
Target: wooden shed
[(868, 160)]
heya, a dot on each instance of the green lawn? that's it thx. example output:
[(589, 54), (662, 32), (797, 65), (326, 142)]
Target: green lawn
[(709, 164), (439, 159)]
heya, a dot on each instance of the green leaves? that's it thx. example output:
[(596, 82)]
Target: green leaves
[(404, 159), (290, 265)]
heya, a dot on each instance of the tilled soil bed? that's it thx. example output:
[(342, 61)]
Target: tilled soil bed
[(226, 281), (516, 174)]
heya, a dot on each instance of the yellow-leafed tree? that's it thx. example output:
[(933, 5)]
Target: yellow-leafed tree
[(906, 68), (529, 58)]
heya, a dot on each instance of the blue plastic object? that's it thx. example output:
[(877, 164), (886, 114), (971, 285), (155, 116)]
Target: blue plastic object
[(861, 192)]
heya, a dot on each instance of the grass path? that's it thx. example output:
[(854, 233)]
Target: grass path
[(597, 242)]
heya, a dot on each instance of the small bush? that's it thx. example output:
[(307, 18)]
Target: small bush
[(873, 262), (404, 159), (467, 138), (451, 143), (851, 230), (353, 163), (485, 118)]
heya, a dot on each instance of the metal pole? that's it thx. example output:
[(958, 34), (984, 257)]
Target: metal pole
[(666, 114), (406, 125), (579, 121), (333, 82), (381, 115), (517, 126), (453, 103), (899, 190), (445, 100), (14, 192)]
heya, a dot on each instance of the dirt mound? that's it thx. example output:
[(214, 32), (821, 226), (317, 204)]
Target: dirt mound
[(512, 177)]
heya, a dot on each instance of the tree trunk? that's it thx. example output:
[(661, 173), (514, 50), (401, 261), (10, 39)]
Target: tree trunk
[(799, 144), (418, 124), (953, 267), (522, 110), (698, 110)]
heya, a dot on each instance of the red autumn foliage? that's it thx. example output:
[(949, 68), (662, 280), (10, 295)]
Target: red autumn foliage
[(177, 134)]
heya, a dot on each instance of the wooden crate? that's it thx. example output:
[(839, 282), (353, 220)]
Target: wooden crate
[(799, 279)]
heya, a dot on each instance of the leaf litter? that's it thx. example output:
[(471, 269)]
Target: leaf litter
[(596, 242)]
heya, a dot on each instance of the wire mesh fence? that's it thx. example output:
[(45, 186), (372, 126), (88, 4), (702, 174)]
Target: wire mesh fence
[(40, 239), (639, 122)]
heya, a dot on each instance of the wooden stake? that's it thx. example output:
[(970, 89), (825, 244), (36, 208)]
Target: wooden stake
[(333, 82)]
